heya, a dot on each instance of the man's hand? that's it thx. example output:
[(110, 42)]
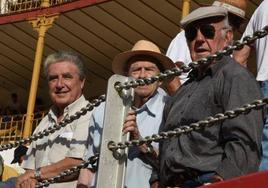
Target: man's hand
[(85, 178), (130, 126), (216, 178), (26, 180), (155, 184), (172, 84)]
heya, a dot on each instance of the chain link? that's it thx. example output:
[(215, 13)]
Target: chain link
[(45, 183), (54, 128), (209, 121), (228, 50)]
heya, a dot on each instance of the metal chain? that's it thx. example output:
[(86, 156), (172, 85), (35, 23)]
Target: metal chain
[(228, 50), (209, 121), (56, 127), (92, 160)]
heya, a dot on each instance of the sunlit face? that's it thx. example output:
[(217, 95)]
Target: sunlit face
[(144, 69), (202, 46), (65, 85)]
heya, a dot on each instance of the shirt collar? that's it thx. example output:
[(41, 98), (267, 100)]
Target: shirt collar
[(211, 70), (151, 105), (69, 110)]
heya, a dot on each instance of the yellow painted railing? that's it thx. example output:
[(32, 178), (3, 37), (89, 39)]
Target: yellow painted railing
[(11, 126), (15, 6)]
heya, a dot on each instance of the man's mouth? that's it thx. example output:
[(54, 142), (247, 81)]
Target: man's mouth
[(201, 50), (60, 92)]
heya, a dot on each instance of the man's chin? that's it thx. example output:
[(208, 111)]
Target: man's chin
[(61, 103), (142, 93)]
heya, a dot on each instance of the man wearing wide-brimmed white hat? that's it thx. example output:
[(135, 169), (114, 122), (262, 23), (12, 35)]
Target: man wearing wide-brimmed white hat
[(178, 50), (143, 60), (225, 149)]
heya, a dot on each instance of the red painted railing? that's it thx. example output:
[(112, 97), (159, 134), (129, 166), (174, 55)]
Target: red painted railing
[(255, 180)]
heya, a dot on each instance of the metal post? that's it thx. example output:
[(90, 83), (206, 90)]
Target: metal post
[(112, 165), (185, 8), (40, 24), (45, 3)]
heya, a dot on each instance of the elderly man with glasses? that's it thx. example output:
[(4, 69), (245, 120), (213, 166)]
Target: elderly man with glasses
[(178, 50), (226, 149)]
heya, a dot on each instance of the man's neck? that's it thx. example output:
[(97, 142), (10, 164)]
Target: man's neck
[(59, 113), (140, 101)]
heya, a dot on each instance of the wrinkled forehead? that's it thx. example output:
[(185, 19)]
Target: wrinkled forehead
[(148, 59), (212, 21)]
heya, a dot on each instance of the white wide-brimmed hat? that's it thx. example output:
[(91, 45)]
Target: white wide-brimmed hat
[(203, 13)]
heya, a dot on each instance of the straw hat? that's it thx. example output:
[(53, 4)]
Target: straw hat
[(236, 7), (142, 47)]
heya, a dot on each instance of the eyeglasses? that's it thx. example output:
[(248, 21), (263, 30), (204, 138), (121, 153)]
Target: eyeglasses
[(208, 31)]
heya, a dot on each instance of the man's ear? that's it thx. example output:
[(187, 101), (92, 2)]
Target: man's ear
[(83, 83), (229, 37)]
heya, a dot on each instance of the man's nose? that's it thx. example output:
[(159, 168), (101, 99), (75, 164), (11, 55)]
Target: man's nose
[(199, 36), (60, 83), (142, 73)]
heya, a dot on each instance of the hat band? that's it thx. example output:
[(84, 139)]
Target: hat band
[(234, 9)]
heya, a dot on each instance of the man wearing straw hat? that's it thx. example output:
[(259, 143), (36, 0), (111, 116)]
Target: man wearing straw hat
[(144, 60), (225, 149)]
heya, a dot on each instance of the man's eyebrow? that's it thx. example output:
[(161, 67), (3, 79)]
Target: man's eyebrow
[(67, 74)]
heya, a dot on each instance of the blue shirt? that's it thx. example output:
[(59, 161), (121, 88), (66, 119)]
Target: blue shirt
[(149, 118)]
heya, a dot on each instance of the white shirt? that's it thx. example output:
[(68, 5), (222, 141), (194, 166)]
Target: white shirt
[(178, 51), (149, 118), (258, 20), (69, 141)]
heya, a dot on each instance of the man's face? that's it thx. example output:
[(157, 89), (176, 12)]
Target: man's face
[(144, 69), (65, 85), (204, 43)]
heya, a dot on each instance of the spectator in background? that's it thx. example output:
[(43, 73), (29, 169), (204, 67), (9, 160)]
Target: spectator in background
[(258, 20), (39, 105), (15, 106), (7, 175)]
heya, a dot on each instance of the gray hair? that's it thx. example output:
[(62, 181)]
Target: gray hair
[(227, 27), (69, 56)]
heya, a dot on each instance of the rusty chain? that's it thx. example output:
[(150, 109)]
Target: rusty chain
[(237, 45), (52, 129), (92, 160), (207, 122)]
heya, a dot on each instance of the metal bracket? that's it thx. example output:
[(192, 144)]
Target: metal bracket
[(112, 164)]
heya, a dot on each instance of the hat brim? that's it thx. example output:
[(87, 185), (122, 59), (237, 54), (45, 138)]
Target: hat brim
[(237, 16), (120, 61), (203, 13)]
